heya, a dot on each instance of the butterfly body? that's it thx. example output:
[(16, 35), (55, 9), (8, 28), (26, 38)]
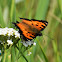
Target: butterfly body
[(29, 29)]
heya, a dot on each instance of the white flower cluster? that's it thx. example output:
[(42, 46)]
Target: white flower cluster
[(9, 32), (28, 43)]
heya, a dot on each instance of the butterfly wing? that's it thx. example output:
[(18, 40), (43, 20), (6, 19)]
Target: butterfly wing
[(30, 28)]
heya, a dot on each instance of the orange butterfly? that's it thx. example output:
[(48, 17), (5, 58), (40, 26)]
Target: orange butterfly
[(29, 29)]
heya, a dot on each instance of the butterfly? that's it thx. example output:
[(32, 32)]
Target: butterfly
[(29, 29)]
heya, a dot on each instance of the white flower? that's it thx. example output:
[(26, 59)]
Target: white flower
[(34, 43), (24, 43), (10, 31), (17, 34), (27, 43), (29, 53), (9, 42)]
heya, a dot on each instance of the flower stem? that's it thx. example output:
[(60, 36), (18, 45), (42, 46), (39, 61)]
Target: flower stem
[(22, 54), (4, 53), (4, 56)]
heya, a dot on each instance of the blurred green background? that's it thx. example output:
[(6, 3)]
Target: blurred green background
[(49, 46)]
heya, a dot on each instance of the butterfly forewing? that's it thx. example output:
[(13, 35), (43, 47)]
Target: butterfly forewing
[(39, 25)]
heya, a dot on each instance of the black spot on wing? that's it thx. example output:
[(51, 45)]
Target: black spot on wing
[(40, 27), (43, 26), (32, 24), (36, 25)]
